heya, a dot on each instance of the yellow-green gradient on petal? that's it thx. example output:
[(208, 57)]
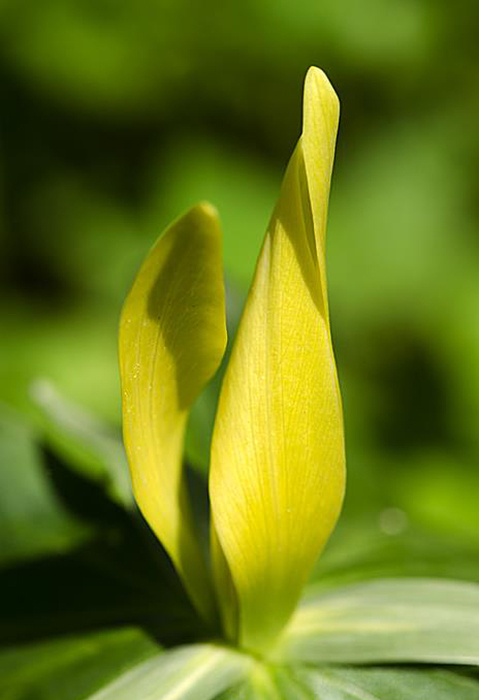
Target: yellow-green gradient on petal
[(172, 340), (278, 468)]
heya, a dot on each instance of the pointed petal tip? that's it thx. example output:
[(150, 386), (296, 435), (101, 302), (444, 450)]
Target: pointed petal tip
[(318, 86), (203, 217), (208, 208), (205, 210)]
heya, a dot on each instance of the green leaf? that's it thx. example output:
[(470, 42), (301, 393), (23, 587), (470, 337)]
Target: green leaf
[(200, 671), (86, 443), (402, 620), (124, 664), (306, 683), (72, 667), (385, 684), (33, 519)]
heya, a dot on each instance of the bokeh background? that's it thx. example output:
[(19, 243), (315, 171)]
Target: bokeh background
[(115, 117)]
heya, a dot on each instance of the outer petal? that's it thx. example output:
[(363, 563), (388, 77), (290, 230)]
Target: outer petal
[(172, 339), (277, 474)]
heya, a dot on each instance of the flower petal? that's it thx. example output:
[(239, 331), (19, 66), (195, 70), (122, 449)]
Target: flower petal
[(277, 473), (172, 340)]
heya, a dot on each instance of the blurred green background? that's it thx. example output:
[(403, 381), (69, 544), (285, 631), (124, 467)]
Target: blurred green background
[(116, 117)]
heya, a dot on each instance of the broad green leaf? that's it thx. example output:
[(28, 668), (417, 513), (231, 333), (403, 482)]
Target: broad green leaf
[(396, 620), (112, 665), (325, 683), (72, 667), (172, 339), (277, 471), (197, 672), (33, 519), (384, 684), (84, 441)]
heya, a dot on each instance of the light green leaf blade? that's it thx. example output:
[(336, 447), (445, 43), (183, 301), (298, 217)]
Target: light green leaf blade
[(385, 684), (86, 443), (327, 683), (395, 620), (196, 672)]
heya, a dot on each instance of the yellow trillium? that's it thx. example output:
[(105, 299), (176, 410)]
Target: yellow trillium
[(277, 470)]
